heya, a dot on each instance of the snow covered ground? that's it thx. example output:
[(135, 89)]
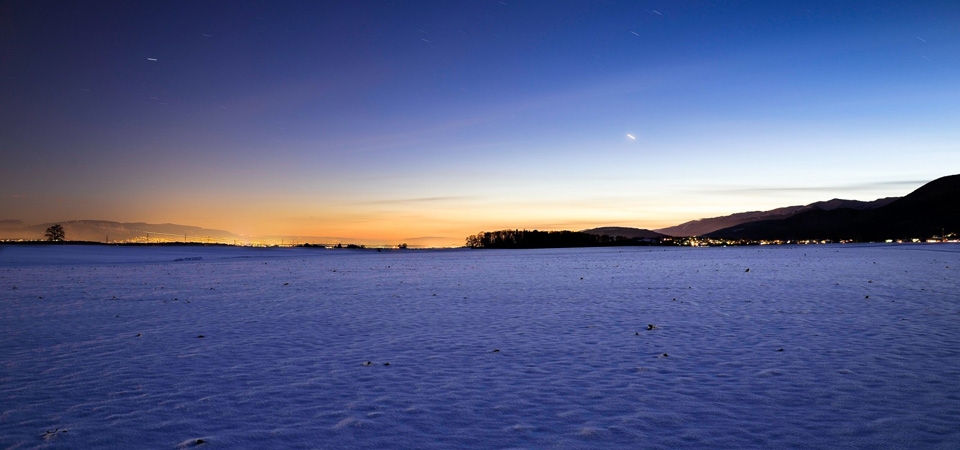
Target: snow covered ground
[(182, 347)]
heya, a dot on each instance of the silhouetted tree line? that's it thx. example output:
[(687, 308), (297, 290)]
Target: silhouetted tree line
[(549, 239)]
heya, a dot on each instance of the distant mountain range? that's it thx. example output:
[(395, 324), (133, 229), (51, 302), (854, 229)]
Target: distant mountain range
[(703, 227), (104, 230), (931, 210), (108, 231)]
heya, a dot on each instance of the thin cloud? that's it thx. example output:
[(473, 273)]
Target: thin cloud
[(836, 188), (418, 200)]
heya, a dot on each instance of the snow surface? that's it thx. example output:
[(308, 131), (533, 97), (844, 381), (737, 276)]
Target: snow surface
[(100, 347)]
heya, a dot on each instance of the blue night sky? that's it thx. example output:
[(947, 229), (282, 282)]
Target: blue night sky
[(397, 120)]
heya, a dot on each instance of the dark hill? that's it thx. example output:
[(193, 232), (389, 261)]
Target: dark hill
[(838, 203), (929, 211), (630, 233), (703, 227)]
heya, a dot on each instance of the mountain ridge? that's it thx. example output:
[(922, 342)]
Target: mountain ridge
[(702, 227), (930, 210), (627, 232)]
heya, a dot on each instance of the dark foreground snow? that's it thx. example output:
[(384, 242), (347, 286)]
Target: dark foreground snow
[(813, 347)]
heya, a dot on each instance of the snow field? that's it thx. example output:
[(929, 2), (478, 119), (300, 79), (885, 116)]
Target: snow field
[(813, 347)]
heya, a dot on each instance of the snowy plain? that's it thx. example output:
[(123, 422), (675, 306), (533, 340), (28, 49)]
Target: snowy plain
[(832, 346)]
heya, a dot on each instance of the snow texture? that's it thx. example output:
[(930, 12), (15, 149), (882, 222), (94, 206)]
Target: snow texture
[(189, 347)]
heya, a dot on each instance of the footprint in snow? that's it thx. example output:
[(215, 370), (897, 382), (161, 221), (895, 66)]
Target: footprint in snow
[(192, 443), (50, 434)]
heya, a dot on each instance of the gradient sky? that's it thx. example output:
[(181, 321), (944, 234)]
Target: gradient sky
[(383, 120)]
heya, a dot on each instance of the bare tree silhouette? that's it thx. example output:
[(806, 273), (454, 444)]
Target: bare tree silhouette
[(55, 233)]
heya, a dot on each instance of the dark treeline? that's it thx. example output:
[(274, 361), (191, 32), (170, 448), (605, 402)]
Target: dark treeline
[(549, 239)]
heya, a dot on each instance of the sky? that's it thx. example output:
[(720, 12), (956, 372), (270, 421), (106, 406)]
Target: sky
[(398, 120)]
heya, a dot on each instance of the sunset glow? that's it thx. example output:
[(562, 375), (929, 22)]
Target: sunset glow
[(381, 123)]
